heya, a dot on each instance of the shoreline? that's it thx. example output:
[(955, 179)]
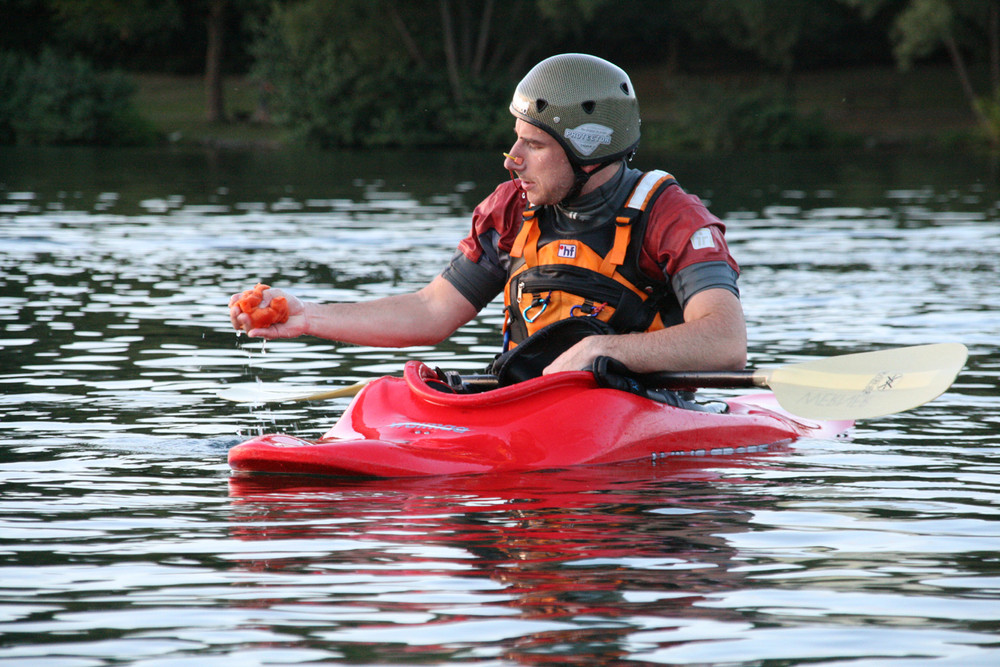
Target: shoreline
[(869, 107)]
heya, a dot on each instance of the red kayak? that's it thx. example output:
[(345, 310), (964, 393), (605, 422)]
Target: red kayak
[(409, 426)]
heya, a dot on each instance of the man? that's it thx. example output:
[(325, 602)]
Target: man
[(576, 232)]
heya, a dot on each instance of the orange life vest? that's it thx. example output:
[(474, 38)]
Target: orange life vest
[(567, 277)]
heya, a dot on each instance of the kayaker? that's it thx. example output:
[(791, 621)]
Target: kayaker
[(575, 232)]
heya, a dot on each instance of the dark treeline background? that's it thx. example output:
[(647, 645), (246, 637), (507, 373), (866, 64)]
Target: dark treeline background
[(403, 73)]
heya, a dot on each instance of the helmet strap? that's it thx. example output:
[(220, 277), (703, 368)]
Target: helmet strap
[(581, 177)]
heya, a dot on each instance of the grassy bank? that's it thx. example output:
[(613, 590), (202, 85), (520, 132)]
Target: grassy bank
[(868, 107), (175, 105), (872, 106)]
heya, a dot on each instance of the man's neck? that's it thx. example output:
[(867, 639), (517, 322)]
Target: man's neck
[(598, 206), (600, 177)]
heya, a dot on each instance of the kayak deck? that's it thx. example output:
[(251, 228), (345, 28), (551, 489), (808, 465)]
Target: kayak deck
[(407, 427)]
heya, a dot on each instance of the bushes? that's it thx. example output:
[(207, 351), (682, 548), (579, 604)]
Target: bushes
[(340, 87), (715, 118), (57, 100), (333, 87)]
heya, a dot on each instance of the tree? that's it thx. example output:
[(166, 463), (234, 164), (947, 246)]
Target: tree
[(966, 29), (117, 30), (110, 31), (215, 103), (393, 73), (474, 37)]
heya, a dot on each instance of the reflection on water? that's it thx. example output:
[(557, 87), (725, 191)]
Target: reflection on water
[(481, 561), (125, 538)]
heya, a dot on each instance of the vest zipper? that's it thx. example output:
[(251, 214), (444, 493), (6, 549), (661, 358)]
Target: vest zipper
[(608, 292)]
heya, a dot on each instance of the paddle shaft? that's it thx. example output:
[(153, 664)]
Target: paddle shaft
[(705, 379), (851, 386)]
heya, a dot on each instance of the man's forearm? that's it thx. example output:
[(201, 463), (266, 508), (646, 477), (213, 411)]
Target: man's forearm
[(425, 317), (713, 337)]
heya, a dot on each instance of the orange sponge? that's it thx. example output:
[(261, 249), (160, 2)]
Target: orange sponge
[(275, 312)]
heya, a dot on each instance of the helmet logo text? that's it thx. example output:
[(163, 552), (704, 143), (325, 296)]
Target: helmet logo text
[(588, 137)]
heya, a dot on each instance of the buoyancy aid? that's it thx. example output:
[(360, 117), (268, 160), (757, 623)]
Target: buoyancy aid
[(577, 277)]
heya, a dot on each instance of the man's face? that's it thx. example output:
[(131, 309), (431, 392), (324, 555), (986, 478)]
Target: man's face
[(545, 172)]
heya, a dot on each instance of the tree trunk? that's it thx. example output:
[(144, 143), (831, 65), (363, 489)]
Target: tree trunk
[(484, 38), (994, 30), (404, 33), (450, 51), (215, 102), (970, 93)]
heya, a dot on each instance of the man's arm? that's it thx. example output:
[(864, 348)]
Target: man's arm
[(712, 337), (424, 317)]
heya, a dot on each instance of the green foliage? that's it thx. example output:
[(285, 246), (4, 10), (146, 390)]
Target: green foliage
[(98, 22), (56, 100), (331, 87), (11, 66), (920, 29), (769, 29), (716, 119), (989, 110), (968, 30)]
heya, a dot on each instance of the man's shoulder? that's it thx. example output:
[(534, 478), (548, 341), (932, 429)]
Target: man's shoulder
[(497, 217), (506, 195), (501, 209), (673, 202), (674, 220), (659, 187)]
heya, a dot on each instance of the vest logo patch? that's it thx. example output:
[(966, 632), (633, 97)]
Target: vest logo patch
[(702, 239), (587, 137), (567, 250)]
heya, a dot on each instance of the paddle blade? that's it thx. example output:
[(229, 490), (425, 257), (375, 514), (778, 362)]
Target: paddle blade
[(279, 392), (869, 384)]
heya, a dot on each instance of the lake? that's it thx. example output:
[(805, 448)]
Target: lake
[(126, 540)]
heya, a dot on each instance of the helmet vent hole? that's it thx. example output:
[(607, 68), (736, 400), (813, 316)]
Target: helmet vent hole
[(541, 104), (625, 87), (589, 106)]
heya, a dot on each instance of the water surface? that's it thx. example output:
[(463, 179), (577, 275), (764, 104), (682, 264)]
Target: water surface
[(126, 541)]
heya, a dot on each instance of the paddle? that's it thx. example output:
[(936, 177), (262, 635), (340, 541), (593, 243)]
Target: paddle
[(850, 386), (279, 392)]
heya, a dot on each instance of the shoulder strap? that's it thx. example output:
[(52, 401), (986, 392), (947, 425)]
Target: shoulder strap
[(527, 237), (647, 186), (643, 192)]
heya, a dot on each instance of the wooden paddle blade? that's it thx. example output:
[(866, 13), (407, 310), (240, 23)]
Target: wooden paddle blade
[(279, 392), (869, 384)]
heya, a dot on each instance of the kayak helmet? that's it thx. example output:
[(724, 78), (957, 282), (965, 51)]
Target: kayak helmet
[(586, 103)]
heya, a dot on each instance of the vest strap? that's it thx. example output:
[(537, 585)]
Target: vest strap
[(616, 256), (521, 240), (637, 202)]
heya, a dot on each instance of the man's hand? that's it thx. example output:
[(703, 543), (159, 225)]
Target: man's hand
[(581, 356), (293, 327), (711, 338)]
